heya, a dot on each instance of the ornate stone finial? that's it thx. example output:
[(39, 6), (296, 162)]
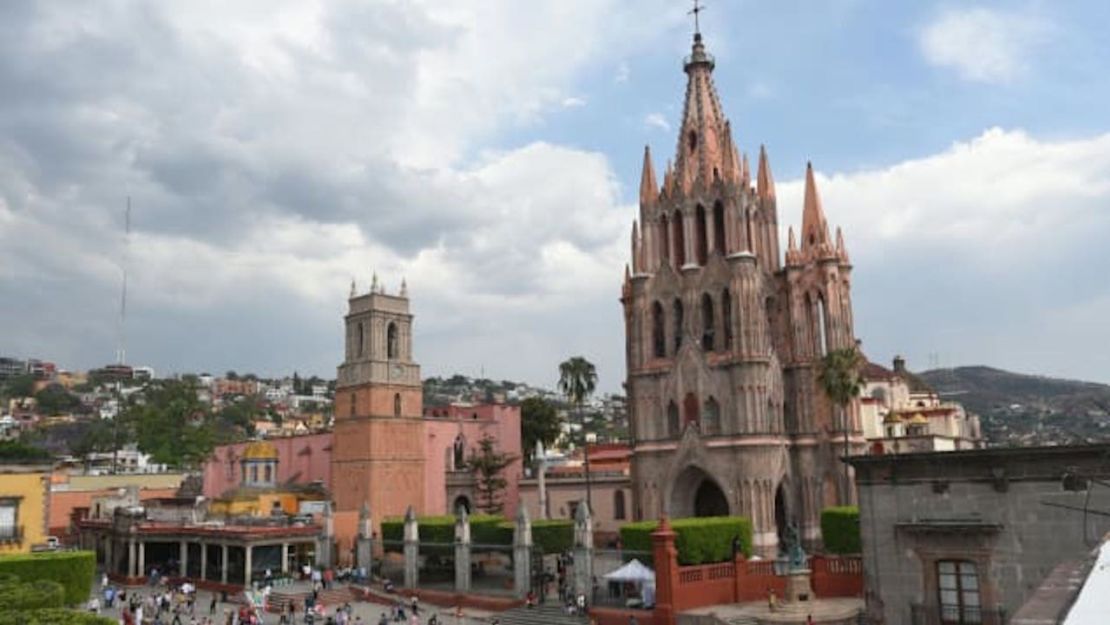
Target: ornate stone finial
[(353, 290), (404, 288), (374, 283)]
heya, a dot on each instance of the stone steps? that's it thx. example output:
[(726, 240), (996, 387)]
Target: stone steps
[(539, 615), (336, 595)]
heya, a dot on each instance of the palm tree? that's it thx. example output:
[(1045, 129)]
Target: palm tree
[(840, 379), (578, 380)]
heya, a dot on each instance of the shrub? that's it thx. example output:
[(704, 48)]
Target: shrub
[(438, 531), (73, 570), (53, 616), (699, 540), (840, 529), (549, 535)]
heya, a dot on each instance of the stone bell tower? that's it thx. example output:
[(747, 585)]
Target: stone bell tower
[(378, 447)]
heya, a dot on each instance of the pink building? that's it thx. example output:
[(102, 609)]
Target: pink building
[(453, 433), (302, 460)]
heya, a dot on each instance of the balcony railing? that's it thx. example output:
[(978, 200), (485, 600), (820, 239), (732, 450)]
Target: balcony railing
[(11, 534), (935, 615)]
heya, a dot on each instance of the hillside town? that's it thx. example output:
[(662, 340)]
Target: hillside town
[(755, 463)]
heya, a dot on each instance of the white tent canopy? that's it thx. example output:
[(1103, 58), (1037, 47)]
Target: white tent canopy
[(634, 571)]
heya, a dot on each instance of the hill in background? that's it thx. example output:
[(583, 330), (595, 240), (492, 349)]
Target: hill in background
[(1020, 409)]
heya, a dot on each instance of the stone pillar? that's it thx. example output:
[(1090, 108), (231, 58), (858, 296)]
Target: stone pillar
[(522, 553), (223, 568), (132, 558), (183, 560), (109, 559), (326, 540), (412, 549), (666, 572), (247, 549), (364, 554), (462, 551), (584, 552), (284, 558), (203, 561), (142, 558), (541, 468)]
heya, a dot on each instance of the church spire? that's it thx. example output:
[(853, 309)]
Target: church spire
[(764, 183), (703, 139), (648, 188), (815, 230)]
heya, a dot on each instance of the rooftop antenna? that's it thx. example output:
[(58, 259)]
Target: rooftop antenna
[(121, 348)]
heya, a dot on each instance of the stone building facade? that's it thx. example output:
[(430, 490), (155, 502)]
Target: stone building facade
[(968, 536), (724, 336)]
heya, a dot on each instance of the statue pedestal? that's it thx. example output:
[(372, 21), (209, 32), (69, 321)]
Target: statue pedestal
[(798, 588)]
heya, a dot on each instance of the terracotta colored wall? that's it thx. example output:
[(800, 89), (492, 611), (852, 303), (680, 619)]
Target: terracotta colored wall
[(302, 459), (500, 421)]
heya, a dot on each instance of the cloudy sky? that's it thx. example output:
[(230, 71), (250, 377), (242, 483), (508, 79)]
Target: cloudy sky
[(489, 152)]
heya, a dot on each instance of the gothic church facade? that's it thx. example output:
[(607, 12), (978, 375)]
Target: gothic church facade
[(725, 335)]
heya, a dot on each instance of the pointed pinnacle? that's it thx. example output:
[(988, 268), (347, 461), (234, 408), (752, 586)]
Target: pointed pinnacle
[(764, 184)]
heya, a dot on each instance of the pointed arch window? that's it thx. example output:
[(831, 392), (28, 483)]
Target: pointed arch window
[(658, 331), (391, 341), (396, 404), (679, 240), (719, 228), (664, 240), (707, 323), (672, 419), (822, 327), (701, 241), (677, 324), (359, 339), (751, 231), (726, 319), (711, 417), (691, 413)]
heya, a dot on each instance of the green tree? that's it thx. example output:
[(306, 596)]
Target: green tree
[(488, 464), (55, 399), (577, 381), (172, 425), (96, 436), (20, 386), (840, 379), (539, 421)]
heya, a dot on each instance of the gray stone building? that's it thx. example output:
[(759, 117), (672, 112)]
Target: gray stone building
[(968, 536), (724, 337)]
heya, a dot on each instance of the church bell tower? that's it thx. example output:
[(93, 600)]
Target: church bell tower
[(377, 452)]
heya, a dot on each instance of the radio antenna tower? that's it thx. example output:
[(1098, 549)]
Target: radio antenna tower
[(121, 348)]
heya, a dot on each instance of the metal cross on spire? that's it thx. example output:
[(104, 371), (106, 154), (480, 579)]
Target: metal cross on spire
[(698, 8)]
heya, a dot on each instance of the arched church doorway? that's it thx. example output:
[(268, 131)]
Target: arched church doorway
[(461, 502), (696, 493), (709, 500), (781, 518)]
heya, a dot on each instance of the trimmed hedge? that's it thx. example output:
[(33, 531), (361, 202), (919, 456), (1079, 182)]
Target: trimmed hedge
[(840, 529), (74, 570), (549, 535), (699, 540), (54, 616)]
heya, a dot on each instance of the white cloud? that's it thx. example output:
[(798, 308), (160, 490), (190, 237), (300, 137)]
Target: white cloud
[(657, 121), (976, 253), (983, 45), (573, 102), (760, 91)]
